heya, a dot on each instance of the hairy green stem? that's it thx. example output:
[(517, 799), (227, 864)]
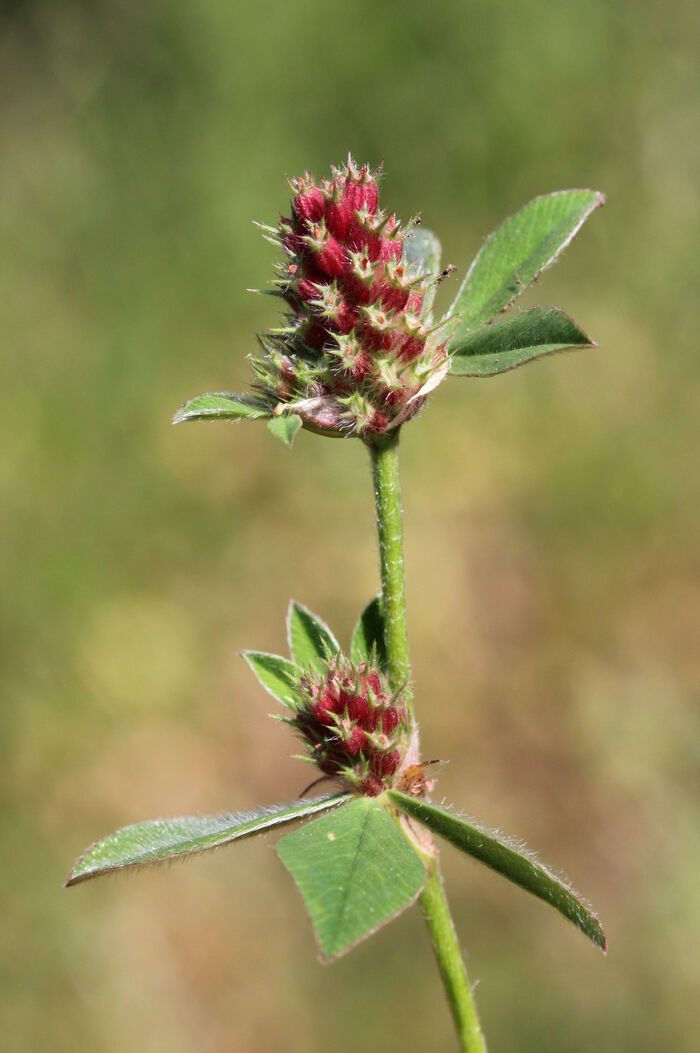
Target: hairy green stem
[(436, 912), (387, 496), (384, 454)]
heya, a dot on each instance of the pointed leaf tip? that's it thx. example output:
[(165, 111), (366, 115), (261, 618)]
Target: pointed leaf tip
[(514, 340), (506, 858), (355, 872), (159, 840), (514, 255), (368, 636), (278, 676), (311, 642)]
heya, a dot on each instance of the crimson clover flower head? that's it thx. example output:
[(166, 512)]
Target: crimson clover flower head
[(357, 354), (352, 718), (352, 725)]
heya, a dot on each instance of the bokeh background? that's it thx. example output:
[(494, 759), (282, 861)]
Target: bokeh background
[(551, 517)]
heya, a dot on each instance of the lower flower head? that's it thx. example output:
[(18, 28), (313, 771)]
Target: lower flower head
[(353, 727)]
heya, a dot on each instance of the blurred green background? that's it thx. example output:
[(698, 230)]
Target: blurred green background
[(551, 517)]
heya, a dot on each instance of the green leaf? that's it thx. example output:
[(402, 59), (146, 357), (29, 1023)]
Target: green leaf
[(310, 640), (285, 427), (355, 870), (506, 858), (220, 405), (278, 676), (510, 342), (422, 249), (164, 839), (368, 636), (517, 252)]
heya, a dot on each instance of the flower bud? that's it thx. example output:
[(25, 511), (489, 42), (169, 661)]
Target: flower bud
[(352, 726), (360, 191), (309, 205)]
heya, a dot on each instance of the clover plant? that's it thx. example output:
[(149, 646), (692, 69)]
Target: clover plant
[(356, 355)]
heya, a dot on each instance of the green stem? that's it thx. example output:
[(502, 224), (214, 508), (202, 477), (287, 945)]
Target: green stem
[(436, 912), (384, 454)]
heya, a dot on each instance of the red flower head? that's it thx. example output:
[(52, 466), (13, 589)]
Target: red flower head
[(362, 355), (352, 726)]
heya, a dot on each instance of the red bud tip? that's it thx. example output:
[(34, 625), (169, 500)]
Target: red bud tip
[(331, 258), (356, 741), (309, 205), (385, 764), (390, 720), (306, 290), (361, 194), (374, 682), (390, 249), (372, 786), (338, 219), (358, 708)]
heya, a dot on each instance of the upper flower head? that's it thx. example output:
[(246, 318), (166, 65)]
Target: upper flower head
[(356, 355)]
